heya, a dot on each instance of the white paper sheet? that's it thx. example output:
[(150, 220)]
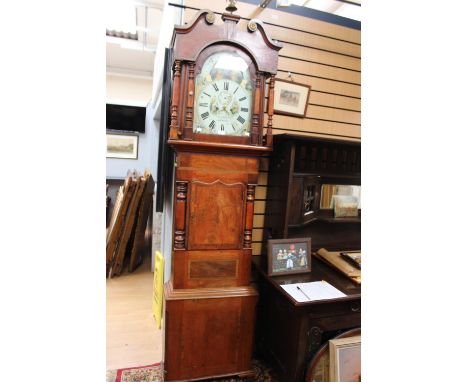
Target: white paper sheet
[(317, 290)]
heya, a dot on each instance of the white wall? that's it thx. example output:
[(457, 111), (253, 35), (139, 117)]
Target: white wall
[(135, 91), (127, 88)]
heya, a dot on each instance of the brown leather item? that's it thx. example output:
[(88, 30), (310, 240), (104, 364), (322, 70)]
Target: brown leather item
[(336, 261)]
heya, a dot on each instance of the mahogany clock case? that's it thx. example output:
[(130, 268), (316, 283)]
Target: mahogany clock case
[(209, 303)]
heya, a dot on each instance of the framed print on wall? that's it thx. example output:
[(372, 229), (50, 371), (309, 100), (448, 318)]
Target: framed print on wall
[(122, 146), (291, 98), (345, 359), (288, 256)]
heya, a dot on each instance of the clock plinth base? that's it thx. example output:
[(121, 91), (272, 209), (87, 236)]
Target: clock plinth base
[(208, 332), (244, 374)]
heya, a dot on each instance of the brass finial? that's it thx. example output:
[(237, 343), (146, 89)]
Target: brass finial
[(231, 6)]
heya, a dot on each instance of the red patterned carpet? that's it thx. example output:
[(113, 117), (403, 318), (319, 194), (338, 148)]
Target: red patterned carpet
[(153, 373)]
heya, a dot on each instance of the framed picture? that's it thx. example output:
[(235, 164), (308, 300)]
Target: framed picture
[(318, 369), (345, 359), (291, 98), (287, 256), (122, 146)]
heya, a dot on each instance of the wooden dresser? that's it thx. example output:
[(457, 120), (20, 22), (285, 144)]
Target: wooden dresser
[(289, 333)]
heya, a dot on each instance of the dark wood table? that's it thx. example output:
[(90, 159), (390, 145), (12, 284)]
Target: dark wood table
[(288, 332)]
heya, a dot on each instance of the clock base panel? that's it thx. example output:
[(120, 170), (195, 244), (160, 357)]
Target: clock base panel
[(208, 332)]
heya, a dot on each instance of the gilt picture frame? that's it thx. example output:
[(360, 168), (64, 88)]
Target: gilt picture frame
[(122, 146), (291, 98), (345, 359), (289, 256)]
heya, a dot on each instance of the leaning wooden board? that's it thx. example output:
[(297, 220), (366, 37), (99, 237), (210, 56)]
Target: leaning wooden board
[(128, 226), (142, 220), (115, 231)]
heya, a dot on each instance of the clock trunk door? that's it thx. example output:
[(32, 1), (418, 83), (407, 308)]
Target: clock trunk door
[(216, 215)]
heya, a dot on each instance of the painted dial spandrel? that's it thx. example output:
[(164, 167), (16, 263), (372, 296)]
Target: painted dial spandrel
[(223, 96)]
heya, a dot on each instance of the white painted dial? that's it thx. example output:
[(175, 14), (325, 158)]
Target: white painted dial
[(223, 96), (224, 109)]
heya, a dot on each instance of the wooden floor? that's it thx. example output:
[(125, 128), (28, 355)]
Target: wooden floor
[(132, 336)]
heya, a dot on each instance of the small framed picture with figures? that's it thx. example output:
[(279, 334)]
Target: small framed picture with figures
[(287, 256)]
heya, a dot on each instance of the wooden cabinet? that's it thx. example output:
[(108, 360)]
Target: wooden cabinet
[(299, 167)]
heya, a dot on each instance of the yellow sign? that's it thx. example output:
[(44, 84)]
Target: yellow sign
[(158, 288)]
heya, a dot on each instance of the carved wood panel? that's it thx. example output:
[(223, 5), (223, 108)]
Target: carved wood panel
[(216, 215)]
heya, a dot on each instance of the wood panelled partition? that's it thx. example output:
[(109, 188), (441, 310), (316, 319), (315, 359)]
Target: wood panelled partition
[(323, 55)]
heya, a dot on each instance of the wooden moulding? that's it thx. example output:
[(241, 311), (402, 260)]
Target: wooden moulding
[(218, 148), (171, 294), (187, 47)]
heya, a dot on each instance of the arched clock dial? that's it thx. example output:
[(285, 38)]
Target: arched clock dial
[(223, 96)]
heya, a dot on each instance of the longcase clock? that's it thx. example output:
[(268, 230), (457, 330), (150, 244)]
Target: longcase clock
[(218, 131)]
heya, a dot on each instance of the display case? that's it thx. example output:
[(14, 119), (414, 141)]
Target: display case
[(307, 178)]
